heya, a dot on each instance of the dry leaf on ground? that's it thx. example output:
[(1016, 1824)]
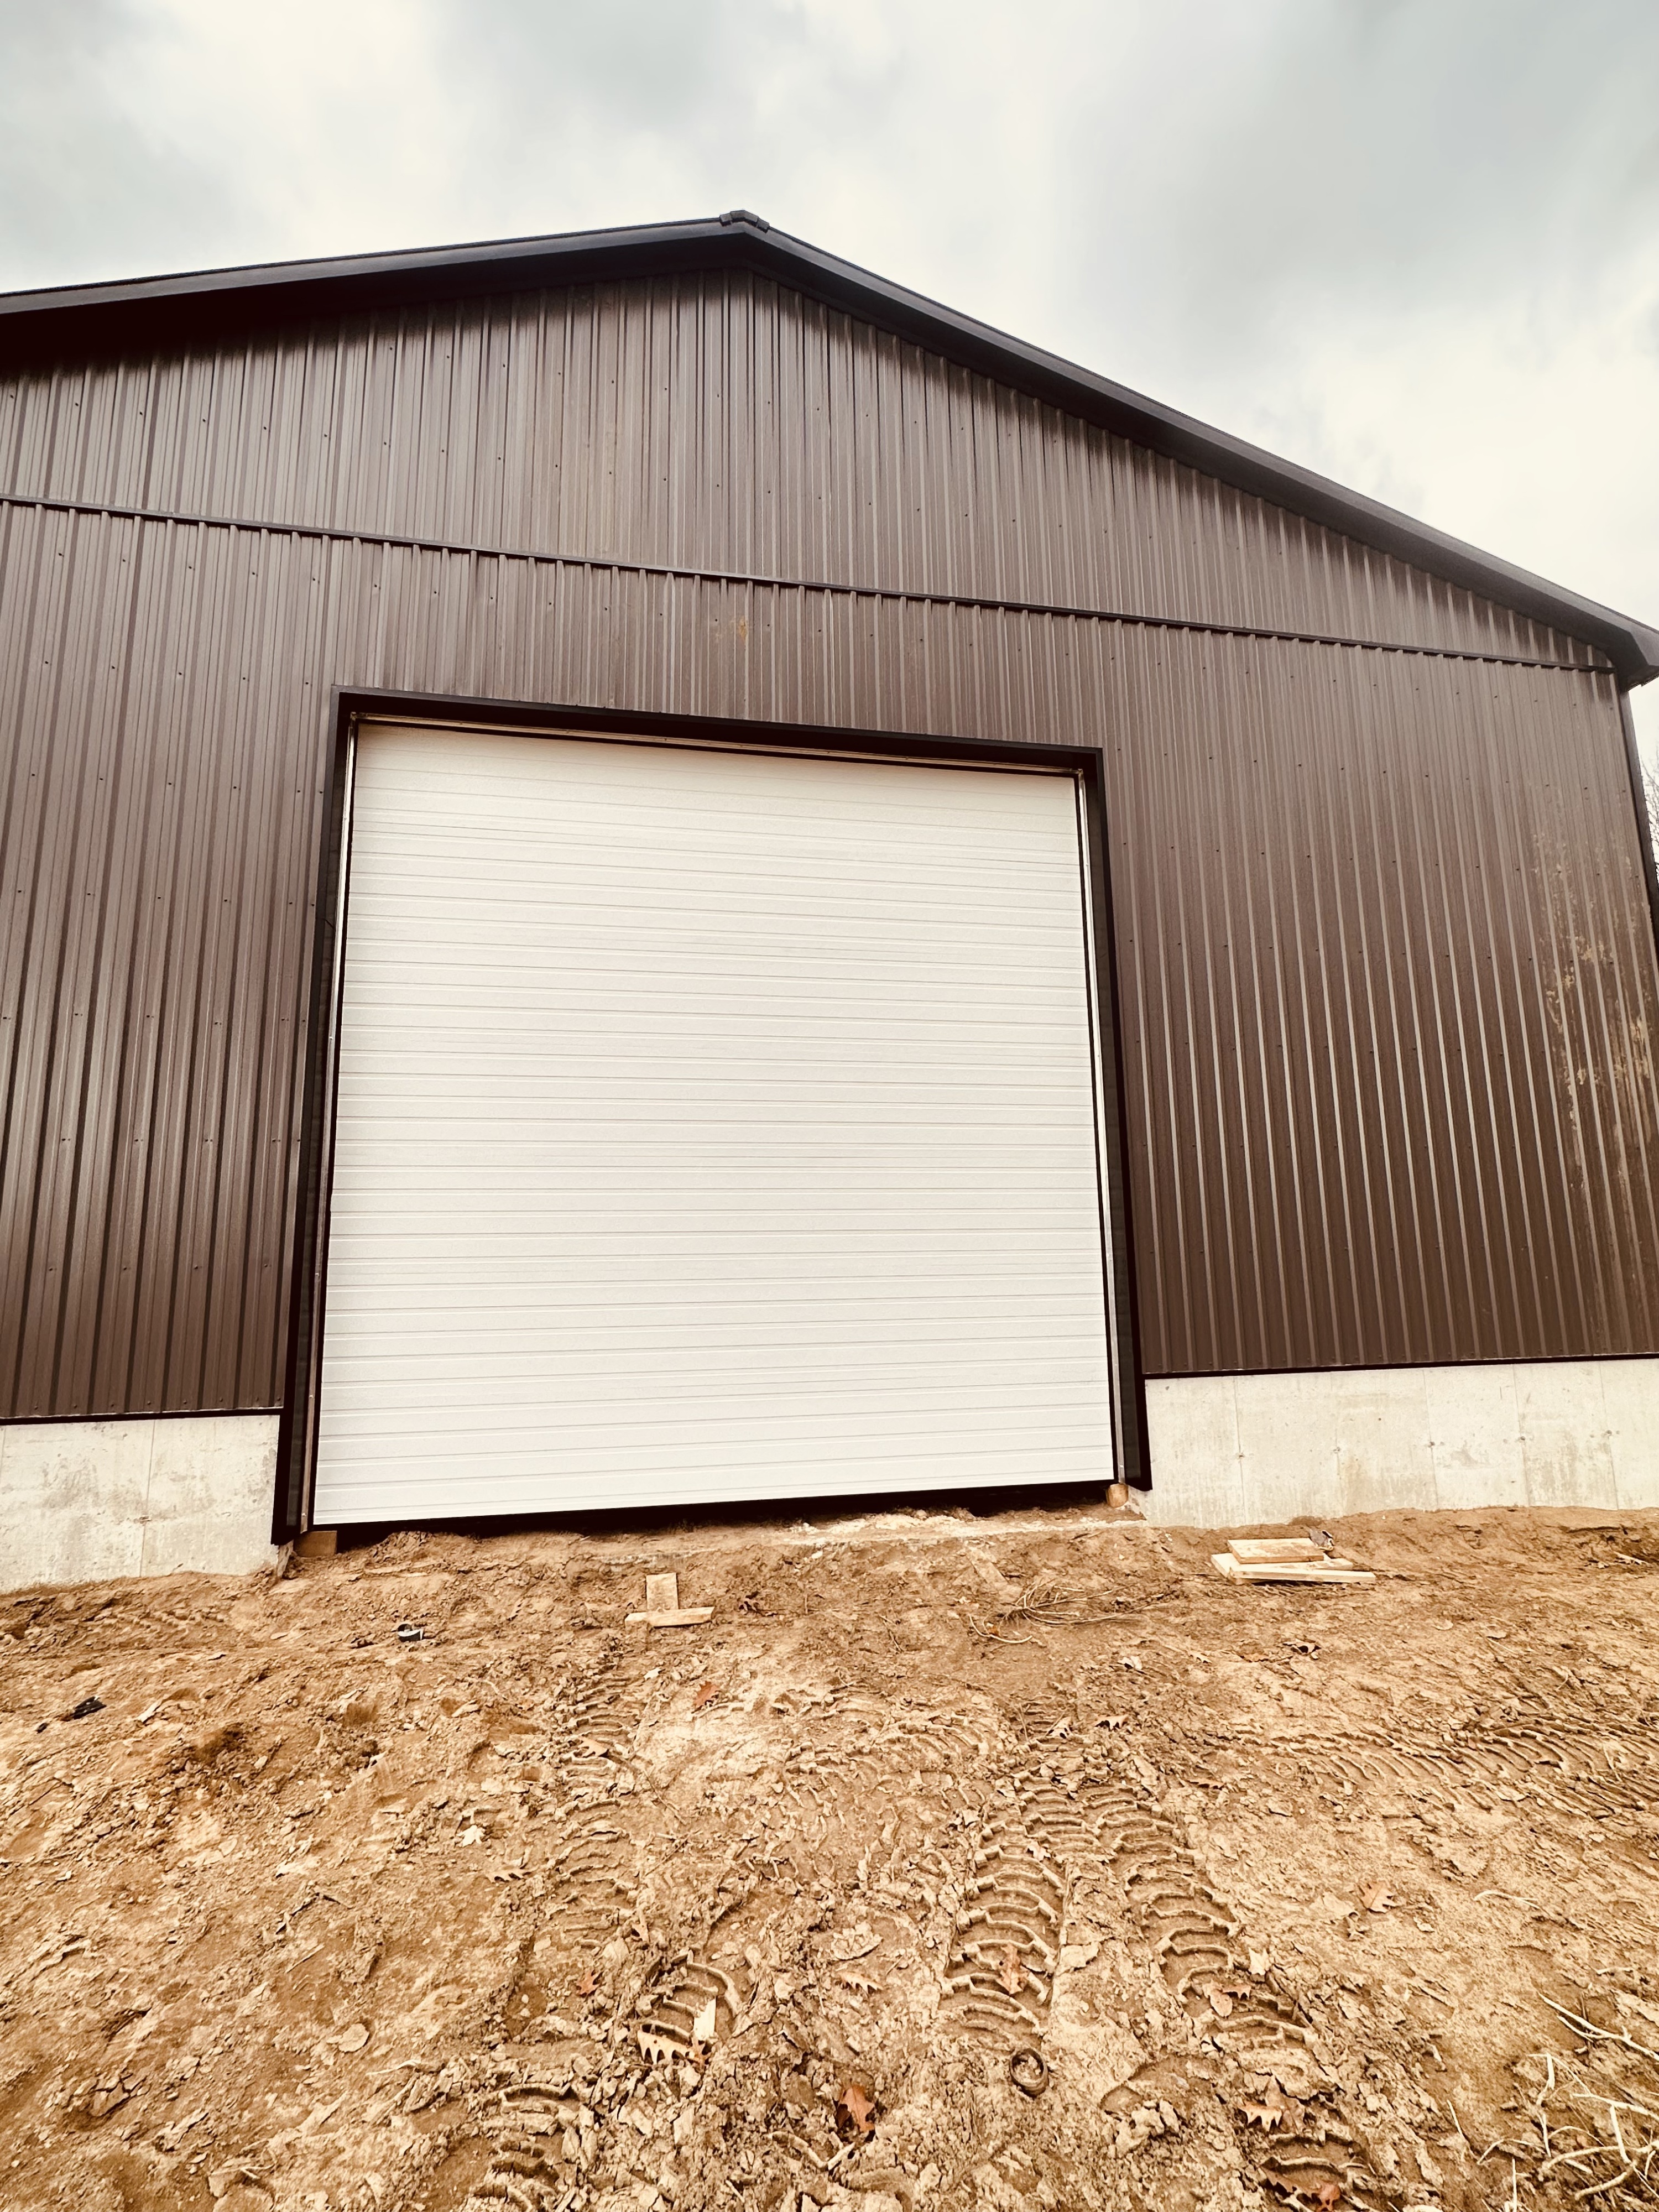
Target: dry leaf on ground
[(855, 2110)]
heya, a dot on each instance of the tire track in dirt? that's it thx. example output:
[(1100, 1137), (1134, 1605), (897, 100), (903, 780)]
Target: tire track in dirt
[(599, 1875), (585, 2126), (1190, 1933), (840, 1869), (1563, 1759), (1010, 1927), (844, 1769), (593, 1870), (999, 1974), (692, 2004), (528, 2166), (590, 1885), (539, 2151)]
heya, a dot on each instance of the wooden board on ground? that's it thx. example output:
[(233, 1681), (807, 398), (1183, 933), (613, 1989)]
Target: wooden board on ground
[(1328, 1569), (663, 1608), (1250, 1549)]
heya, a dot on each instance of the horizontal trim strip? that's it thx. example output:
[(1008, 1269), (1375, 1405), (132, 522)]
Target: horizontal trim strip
[(969, 601), (145, 1413), (1405, 1366)]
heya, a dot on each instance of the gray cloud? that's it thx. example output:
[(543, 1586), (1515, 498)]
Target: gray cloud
[(1414, 243), (86, 185), (1397, 154)]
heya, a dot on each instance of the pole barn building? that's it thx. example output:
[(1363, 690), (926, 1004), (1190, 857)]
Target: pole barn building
[(640, 868)]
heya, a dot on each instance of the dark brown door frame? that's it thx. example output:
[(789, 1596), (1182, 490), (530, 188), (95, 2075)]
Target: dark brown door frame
[(296, 1435)]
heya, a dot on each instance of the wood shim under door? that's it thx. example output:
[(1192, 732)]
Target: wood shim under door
[(711, 1125)]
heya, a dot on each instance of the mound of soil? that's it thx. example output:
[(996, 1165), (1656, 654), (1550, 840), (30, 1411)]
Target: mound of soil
[(1010, 1861)]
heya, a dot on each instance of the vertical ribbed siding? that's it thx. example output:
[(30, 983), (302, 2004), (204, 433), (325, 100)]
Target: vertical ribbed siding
[(157, 872), (1387, 1008), (1387, 992), (1388, 984), (713, 424)]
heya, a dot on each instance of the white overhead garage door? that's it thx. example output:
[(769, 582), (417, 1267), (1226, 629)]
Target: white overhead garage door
[(711, 1125)]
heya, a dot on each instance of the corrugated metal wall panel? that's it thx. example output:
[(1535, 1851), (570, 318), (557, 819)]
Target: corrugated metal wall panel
[(709, 423), (1388, 1007), (158, 866), (1388, 989)]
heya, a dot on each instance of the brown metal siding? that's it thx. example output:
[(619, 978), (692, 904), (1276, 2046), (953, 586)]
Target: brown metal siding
[(710, 423), (1386, 990), (1387, 1006), (157, 869)]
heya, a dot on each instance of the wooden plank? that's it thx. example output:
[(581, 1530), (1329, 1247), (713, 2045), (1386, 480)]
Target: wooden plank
[(1293, 1570), (1253, 1548), (1324, 1570), (687, 1616)]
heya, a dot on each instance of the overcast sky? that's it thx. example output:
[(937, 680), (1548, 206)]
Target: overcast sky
[(1412, 243)]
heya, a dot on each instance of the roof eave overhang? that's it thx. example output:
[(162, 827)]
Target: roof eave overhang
[(96, 320)]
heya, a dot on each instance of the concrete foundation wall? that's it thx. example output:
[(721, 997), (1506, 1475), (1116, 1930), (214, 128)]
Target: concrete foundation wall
[(1232, 1449), (86, 1501)]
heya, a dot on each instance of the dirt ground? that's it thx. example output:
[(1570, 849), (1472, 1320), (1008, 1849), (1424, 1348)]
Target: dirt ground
[(1006, 1862)]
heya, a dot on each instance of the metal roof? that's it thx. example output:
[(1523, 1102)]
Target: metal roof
[(95, 318)]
